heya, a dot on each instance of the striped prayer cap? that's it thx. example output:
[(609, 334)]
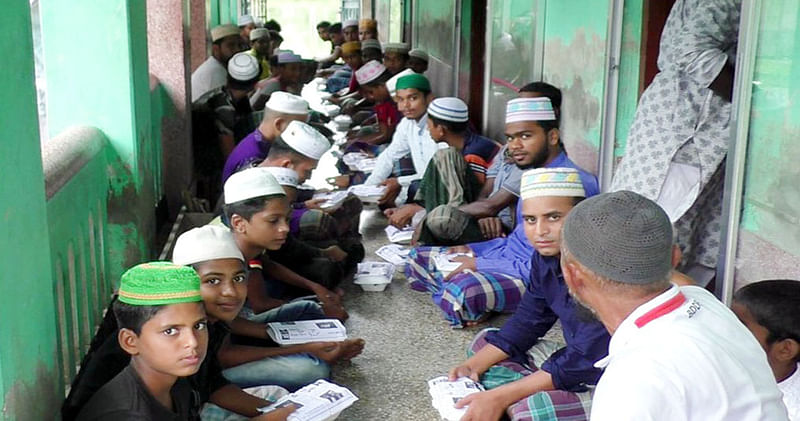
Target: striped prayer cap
[(449, 109), (529, 109), (565, 182), (159, 283)]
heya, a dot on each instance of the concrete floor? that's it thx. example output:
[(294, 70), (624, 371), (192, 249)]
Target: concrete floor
[(407, 343)]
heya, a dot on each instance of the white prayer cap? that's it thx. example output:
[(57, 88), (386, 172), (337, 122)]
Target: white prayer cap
[(250, 183), (449, 109), (243, 67), (222, 31), (209, 242), (369, 72), (259, 33), (349, 22), (420, 54), (284, 102), (285, 176), (529, 109), (245, 20), (396, 47), (305, 139), (391, 84), (287, 57)]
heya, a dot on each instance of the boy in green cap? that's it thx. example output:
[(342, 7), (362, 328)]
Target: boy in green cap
[(163, 328), (413, 94)]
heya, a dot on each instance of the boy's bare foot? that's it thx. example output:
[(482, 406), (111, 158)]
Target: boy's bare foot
[(350, 349)]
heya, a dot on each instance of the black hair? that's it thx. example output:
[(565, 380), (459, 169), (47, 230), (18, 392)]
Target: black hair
[(275, 35), (336, 27), (382, 79), (546, 89), (273, 25), (273, 61), (133, 317), (452, 126), (246, 208), (324, 24), (774, 304)]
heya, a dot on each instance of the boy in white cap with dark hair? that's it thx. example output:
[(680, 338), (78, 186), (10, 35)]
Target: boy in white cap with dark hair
[(261, 42), (218, 117), (454, 175), (246, 25), (280, 110), (676, 352), (523, 373), (395, 56), (225, 42), (213, 253), (350, 30), (418, 60), (286, 68)]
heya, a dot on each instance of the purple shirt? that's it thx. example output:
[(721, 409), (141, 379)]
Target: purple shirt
[(512, 255), (546, 300), (253, 148)]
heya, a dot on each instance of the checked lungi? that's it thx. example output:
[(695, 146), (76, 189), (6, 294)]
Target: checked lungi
[(466, 296), (551, 405)]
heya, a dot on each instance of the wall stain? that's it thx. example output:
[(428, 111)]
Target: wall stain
[(33, 401)]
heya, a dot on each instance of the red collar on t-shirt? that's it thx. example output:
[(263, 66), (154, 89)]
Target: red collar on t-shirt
[(662, 309)]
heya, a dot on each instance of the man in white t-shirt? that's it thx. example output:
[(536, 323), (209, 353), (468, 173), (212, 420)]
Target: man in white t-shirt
[(213, 73), (676, 353)]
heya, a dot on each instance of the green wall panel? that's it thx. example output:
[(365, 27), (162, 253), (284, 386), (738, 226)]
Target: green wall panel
[(772, 199), (630, 72), (28, 389)]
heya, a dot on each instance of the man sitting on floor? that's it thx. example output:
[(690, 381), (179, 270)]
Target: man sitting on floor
[(523, 373), (494, 277)]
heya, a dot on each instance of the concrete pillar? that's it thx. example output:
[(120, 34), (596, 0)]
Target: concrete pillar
[(28, 374), (198, 31), (168, 53), (97, 75)]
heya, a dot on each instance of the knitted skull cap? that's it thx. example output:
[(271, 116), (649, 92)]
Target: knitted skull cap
[(622, 236), (562, 182), (159, 283)]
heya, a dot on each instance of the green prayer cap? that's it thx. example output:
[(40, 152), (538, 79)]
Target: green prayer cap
[(416, 81), (159, 283)]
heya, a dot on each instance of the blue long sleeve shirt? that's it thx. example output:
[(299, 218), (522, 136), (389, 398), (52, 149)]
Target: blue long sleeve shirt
[(512, 255), (546, 300)]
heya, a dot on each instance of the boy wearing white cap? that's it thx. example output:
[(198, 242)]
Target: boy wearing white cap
[(350, 30), (525, 375), (454, 175), (280, 110), (418, 60), (261, 42), (246, 24), (286, 70), (218, 117), (225, 42), (395, 56), (212, 251), (256, 209)]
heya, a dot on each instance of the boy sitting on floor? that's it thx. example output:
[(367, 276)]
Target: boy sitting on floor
[(523, 373), (163, 331), (770, 310)]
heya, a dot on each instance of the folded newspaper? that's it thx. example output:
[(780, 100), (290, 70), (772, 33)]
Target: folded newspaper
[(366, 165), (445, 394), (393, 253), (400, 236), (352, 159), (367, 193), (444, 263), (332, 199), (305, 331), (319, 401)]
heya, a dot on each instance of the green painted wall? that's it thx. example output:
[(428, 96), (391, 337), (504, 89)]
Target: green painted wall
[(772, 199), (575, 37), (630, 72), (27, 332), (98, 77)]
